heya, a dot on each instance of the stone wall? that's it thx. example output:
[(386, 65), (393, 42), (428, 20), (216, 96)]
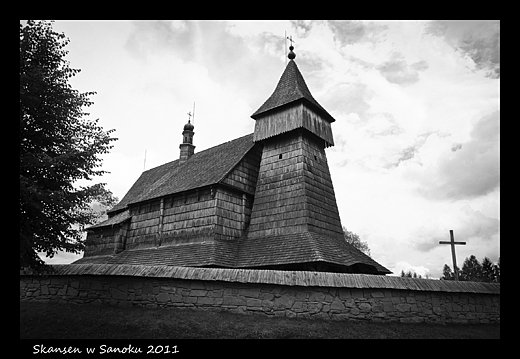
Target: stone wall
[(372, 304)]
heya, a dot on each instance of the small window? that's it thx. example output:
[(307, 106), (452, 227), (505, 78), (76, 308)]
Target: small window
[(280, 156), (315, 158)]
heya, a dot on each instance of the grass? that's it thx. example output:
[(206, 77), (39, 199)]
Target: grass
[(71, 321)]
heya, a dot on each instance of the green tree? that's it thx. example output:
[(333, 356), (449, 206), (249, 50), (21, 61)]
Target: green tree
[(354, 239), (59, 145)]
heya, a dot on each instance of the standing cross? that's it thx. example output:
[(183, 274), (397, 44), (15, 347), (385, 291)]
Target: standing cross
[(189, 116), (452, 242)]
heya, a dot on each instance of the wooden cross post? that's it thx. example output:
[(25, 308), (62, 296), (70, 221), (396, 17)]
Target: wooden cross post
[(453, 243)]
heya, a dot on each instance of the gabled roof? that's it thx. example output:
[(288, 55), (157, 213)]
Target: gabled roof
[(202, 169), (290, 88)]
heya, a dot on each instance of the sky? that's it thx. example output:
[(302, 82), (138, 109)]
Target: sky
[(416, 105)]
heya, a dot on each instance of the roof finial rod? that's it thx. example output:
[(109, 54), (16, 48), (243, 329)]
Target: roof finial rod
[(291, 55), (193, 113)]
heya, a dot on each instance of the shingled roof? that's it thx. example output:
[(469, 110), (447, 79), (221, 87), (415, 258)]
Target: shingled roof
[(303, 247), (291, 87), (271, 251), (202, 169)]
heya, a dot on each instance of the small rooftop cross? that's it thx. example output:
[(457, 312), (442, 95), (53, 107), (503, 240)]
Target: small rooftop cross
[(189, 116), (453, 243), (290, 39)]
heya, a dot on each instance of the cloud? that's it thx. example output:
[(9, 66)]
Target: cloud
[(397, 71), (348, 32), (457, 171), (407, 267), (219, 48), (468, 225), (479, 40)]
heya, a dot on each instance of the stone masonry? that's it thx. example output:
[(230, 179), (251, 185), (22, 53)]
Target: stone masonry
[(377, 305)]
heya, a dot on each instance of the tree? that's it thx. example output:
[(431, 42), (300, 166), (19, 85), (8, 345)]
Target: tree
[(354, 239), (471, 270), (59, 145), (488, 270), (447, 273), (409, 274)]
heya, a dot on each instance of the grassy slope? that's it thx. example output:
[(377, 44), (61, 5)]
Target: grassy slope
[(66, 321)]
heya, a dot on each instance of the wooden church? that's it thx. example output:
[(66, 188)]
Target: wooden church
[(263, 201)]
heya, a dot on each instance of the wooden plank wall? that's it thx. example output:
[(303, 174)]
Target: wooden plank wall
[(245, 173), (290, 118), (188, 217), (317, 125), (101, 242), (185, 217), (144, 225)]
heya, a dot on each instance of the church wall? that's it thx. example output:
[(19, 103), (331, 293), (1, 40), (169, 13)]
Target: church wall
[(103, 241), (273, 300), (188, 217), (245, 174), (185, 217), (233, 212), (279, 206), (294, 191), (144, 225)]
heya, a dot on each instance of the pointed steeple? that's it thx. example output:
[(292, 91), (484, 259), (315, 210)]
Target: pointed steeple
[(292, 106), (291, 87)]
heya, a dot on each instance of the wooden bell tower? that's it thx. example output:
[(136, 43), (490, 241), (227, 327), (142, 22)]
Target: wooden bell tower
[(294, 192)]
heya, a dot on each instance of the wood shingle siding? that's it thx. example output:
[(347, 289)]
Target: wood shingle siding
[(294, 192), (292, 117)]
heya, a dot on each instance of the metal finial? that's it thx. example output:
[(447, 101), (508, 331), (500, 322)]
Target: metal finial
[(291, 54)]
